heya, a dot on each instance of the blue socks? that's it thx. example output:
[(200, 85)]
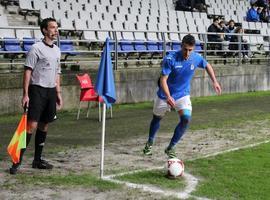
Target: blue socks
[(180, 128), (154, 126), (178, 132)]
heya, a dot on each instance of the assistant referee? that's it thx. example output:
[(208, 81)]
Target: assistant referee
[(41, 90)]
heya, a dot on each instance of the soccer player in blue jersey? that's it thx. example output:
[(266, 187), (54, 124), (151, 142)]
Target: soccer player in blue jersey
[(174, 91)]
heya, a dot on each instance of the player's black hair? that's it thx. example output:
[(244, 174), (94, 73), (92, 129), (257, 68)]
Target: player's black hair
[(189, 40), (45, 23)]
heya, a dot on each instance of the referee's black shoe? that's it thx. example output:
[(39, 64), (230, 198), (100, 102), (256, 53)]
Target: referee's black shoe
[(41, 164), (14, 168)]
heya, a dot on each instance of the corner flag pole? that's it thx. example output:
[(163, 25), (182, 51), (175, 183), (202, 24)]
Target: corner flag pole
[(102, 140), (105, 88)]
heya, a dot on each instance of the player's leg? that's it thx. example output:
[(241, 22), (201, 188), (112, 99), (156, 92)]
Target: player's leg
[(47, 116), (154, 126), (159, 110), (33, 115), (40, 139), (184, 109)]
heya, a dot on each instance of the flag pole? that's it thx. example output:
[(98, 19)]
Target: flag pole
[(102, 141)]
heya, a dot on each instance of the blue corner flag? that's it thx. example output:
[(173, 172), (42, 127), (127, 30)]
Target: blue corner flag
[(105, 80)]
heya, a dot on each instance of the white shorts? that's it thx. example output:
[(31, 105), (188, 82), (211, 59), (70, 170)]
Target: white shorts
[(161, 106)]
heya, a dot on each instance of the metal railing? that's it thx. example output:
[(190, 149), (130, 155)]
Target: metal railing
[(202, 41)]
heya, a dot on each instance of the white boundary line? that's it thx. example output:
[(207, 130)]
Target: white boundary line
[(191, 184), (192, 181), (230, 150)]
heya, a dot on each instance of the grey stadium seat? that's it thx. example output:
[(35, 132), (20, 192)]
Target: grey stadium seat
[(118, 26), (128, 35), (102, 35), (91, 35), (44, 13), (20, 34), (140, 35), (25, 5), (37, 34), (66, 23)]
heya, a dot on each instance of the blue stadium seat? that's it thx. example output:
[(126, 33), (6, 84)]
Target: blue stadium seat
[(66, 47), (126, 46), (160, 46), (12, 44), (176, 45), (152, 46), (139, 45), (112, 46), (198, 47), (27, 43)]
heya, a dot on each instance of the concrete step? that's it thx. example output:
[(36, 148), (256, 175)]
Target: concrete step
[(16, 19)]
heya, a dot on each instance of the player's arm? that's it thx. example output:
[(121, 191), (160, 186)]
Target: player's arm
[(58, 93), (30, 63), (26, 82), (165, 88), (211, 73)]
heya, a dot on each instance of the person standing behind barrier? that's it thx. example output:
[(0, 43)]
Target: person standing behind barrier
[(230, 29), (234, 45), (264, 16), (216, 29), (41, 90)]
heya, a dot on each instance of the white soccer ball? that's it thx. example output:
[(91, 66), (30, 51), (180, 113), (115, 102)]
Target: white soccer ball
[(174, 167)]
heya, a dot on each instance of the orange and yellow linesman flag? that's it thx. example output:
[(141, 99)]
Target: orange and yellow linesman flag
[(18, 140)]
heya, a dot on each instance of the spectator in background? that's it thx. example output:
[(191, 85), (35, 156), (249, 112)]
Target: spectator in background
[(262, 3), (198, 5), (234, 45), (252, 15), (222, 29), (264, 15), (253, 1), (191, 5), (230, 29), (183, 5), (215, 28), (259, 11)]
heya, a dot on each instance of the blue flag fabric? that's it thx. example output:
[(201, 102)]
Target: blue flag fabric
[(105, 79)]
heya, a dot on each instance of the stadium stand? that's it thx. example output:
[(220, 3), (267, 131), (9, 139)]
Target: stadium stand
[(139, 26)]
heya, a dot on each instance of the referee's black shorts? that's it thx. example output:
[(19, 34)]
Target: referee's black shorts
[(42, 104)]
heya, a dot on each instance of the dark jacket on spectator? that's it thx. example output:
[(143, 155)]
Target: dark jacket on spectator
[(213, 29), (264, 17), (235, 38), (183, 5)]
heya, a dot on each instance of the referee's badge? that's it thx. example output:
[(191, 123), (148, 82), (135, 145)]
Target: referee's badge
[(192, 67)]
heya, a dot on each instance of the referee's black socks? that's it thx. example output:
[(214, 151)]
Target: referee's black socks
[(39, 144)]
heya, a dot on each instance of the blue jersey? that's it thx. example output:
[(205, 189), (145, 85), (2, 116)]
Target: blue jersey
[(180, 73)]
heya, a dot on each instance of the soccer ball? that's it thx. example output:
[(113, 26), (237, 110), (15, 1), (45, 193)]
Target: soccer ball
[(174, 168)]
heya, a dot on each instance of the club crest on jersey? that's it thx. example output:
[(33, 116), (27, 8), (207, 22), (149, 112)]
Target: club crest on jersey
[(192, 67)]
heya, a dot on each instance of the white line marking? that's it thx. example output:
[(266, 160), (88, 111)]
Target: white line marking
[(230, 150), (191, 184), (192, 181)]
